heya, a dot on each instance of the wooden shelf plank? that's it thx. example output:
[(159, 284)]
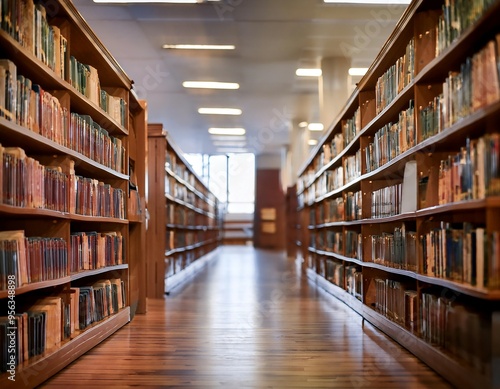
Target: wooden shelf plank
[(37, 285), (391, 270), (61, 281), (102, 270), (339, 256), (32, 212)]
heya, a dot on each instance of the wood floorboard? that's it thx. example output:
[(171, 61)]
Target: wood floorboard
[(250, 319)]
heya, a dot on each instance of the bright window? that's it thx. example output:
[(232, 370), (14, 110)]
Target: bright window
[(230, 177)]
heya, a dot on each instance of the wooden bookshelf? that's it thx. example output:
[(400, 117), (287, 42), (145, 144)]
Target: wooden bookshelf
[(45, 366), (407, 264), (184, 225), (138, 162), (91, 159)]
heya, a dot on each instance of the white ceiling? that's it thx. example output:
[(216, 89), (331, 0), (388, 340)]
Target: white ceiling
[(272, 38)]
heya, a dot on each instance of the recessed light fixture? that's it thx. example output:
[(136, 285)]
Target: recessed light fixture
[(210, 85), (302, 72), (200, 47), (357, 71), (219, 111), (368, 2), (315, 127), (312, 142), (303, 124), (226, 131)]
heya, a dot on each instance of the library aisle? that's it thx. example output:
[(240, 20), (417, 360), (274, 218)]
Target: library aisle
[(248, 320)]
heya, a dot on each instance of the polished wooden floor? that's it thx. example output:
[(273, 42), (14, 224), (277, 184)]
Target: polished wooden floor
[(248, 320)]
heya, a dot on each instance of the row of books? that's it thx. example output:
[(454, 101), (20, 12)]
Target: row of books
[(88, 138), (396, 302), (180, 215), (386, 202), (31, 259), (36, 259), (475, 86), (100, 300), (391, 140), (353, 245), (462, 253), (85, 79), (44, 324), (41, 112), (353, 206), (473, 173), (397, 249), (352, 167), (305, 179), (458, 328), (456, 17), (330, 210), (312, 216), (396, 78), (180, 239), (114, 106), (27, 23), (329, 181), (182, 193), (430, 118), (180, 261), (354, 282), (308, 196), (351, 127), (25, 182), (181, 171), (333, 272), (95, 198), (330, 150), (95, 250), (331, 241)]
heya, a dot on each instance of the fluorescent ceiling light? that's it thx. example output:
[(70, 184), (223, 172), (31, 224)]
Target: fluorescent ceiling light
[(303, 124), (200, 47), (308, 72), (230, 144), (315, 127), (231, 138), (226, 131), (210, 85), (368, 2), (231, 150), (357, 71), (312, 142), (219, 111)]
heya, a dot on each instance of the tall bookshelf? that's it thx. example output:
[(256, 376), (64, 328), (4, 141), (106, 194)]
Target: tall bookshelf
[(138, 157), (184, 229), (68, 247), (399, 202)]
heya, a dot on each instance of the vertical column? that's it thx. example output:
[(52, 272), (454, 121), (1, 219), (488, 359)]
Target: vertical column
[(334, 87), (299, 150)]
